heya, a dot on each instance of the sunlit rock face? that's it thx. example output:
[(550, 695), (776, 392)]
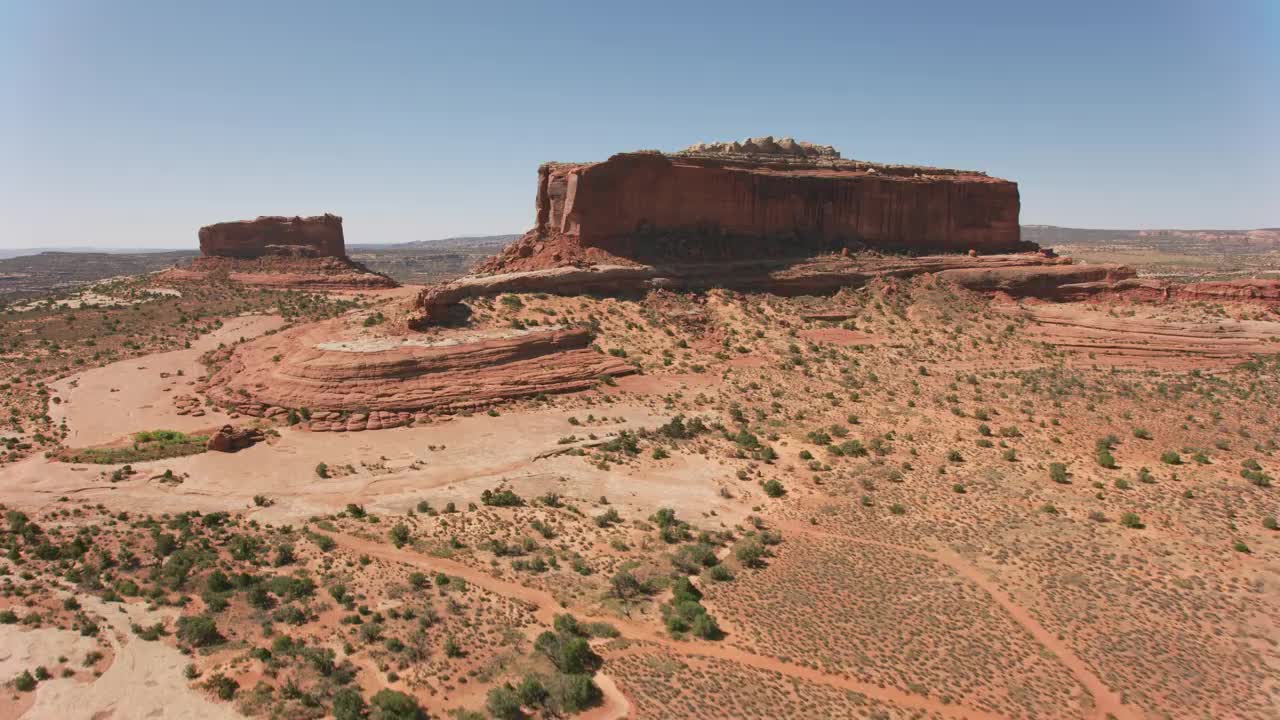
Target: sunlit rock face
[(317, 236), (756, 199)]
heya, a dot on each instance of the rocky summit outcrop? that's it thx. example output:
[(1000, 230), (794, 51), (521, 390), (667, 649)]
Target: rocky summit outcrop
[(317, 236), (756, 199), (342, 378), (1018, 275), (1068, 282), (764, 146), (1249, 290), (232, 439)]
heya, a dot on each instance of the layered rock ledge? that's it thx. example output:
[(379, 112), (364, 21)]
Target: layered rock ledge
[(346, 380), (1082, 282), (1019, 275), (811, 276)]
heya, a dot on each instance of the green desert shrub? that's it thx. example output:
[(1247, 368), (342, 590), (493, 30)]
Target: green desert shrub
[(1058, 473)]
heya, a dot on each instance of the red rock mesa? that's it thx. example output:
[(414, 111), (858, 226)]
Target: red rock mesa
[(760, 198), (318, 236), (280, 252), (785, 217)]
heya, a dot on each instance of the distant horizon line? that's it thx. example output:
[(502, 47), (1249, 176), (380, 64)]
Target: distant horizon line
[(38, 249)]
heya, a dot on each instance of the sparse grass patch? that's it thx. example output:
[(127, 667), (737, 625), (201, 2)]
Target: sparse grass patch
[(150, 445)]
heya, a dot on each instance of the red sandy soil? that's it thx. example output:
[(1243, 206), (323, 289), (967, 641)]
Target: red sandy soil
[(840, 336)]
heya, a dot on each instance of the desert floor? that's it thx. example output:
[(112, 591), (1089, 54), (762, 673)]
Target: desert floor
[(939, 506)]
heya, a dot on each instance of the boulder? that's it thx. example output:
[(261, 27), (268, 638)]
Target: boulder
[(230, 439)]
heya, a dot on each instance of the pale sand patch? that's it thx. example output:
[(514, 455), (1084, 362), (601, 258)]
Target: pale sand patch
[(114, 401), (662, 384), (614, 706), (24, 649), (451, 339), (402, 292), (92, 298), (144, 681), (479, 453)]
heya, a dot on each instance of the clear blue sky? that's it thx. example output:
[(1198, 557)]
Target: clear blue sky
[(129, 123)]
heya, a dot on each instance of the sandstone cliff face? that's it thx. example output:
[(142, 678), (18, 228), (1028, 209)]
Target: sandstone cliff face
[(708, 205), (318, 236)]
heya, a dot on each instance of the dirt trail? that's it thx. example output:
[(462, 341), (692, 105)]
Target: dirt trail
[(544, 607), (1107, 702), (892, 696), (615, 705)]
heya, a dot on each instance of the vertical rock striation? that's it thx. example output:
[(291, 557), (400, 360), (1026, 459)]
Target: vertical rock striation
[(279, 252), (757, 199)]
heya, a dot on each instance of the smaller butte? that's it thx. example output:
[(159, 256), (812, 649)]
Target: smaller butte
[(304, 253)]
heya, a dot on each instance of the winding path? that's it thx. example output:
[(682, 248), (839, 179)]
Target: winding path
[(544, 607), (1107, 702)]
